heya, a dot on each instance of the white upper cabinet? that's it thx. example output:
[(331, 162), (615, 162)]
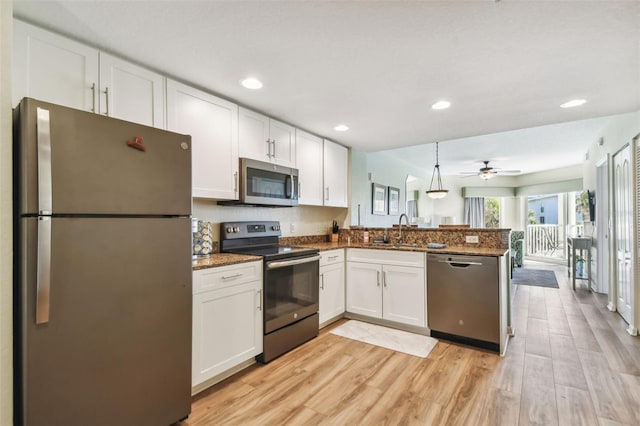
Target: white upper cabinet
[(336, 170), (309, 163), (52, 68), (213, 125), (55, 69), (130, 92), (264, 139)]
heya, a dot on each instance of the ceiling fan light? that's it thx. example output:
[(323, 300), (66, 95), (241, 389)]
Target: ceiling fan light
[(486, 176)]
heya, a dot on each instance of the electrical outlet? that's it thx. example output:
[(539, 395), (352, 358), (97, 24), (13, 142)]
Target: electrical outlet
[(292, 228), (473, 239)]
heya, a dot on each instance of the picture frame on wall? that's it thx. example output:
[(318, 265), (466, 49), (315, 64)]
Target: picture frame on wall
[(378, 199), (394, 200)]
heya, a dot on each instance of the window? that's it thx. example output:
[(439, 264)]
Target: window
[(491, 212), (542, 220), (542, 208)]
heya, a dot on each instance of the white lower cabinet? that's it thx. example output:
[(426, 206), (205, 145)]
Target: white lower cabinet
[(332, 297), (227, 318), (388, 285)]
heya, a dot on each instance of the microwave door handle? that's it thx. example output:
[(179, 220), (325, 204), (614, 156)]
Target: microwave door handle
[(288, 187)]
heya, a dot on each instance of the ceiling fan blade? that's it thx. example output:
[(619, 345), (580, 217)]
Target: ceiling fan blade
[(510, 171)]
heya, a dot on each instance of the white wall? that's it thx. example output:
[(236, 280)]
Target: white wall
[(307, 220), (6, 233), (618, 132)]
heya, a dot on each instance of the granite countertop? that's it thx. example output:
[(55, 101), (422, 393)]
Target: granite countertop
[(463, 250), (222, 259)]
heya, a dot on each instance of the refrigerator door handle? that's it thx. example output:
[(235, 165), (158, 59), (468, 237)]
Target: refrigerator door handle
[(44, 162), (43, 283)]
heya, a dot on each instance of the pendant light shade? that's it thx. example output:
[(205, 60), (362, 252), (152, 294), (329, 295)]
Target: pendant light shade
[(436, 192)]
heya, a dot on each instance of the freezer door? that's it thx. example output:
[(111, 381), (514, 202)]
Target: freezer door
[(115, 348), (97, 164)]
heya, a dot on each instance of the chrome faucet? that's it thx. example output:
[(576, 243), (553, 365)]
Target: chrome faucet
[(399, 237)]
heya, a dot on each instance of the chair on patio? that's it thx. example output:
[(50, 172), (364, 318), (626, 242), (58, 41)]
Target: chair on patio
[(516, 248)]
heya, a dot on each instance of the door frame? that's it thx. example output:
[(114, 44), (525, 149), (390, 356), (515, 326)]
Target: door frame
[(604, 222), (634, 318)]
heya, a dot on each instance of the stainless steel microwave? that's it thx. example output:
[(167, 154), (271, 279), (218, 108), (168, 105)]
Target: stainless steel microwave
[(268, 184)]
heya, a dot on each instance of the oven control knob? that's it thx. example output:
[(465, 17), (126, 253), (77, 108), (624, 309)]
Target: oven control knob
[(229, 230), (236, 229)]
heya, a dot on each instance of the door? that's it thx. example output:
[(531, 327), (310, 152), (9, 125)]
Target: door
[(331, 291), (623, 208), (130, 92), (253, 135), (53, 68), (218, 347), (309, 164), (403, 295), (602, 227), (283, 143), (94, 171), (364, 291), (115, 347), (213, 125), (336, 158)]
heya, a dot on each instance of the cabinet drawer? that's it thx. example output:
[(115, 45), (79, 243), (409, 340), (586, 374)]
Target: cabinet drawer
[(226, 276), (387, 257), (331, 257)]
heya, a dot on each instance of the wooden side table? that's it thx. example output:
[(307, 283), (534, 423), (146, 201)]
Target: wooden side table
[(579, 245)]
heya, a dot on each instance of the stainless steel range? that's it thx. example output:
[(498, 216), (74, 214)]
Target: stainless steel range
[(291, 292)]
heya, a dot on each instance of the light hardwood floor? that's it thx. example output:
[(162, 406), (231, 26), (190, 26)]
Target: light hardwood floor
[(570, 363)]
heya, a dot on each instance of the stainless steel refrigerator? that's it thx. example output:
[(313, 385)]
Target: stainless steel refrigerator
[(103, 270)]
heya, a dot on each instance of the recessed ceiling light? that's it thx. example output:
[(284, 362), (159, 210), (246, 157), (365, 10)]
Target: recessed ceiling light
[(441, 105), (341, 128), (251, 83), (573, 103)]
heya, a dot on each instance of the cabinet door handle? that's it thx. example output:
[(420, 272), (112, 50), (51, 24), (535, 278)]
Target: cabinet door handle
[(93, 97), (268, 142), (378, 278), (273, 142), (333, 257), (228, 277), (299, 188), (384, 278), (106, 95), (321, 281), (235, 182), (327, 191), (260, 299)]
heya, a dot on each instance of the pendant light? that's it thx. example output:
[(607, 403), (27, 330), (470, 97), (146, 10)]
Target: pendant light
[(437, 192)]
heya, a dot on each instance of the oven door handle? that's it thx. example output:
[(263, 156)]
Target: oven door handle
[(285, 263)]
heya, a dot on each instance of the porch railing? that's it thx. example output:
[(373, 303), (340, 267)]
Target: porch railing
[(546, 241), (550, 240)]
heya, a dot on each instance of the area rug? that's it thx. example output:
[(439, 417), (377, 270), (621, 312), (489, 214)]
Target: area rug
[(389, 338), (535, 277)]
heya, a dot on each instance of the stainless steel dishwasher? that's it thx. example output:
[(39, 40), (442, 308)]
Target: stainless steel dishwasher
[(463, 299)]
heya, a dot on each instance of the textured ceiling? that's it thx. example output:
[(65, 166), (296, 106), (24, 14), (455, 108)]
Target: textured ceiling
[(378, 66)]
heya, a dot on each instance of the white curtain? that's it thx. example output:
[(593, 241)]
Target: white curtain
[(412, 210), (474, 212)]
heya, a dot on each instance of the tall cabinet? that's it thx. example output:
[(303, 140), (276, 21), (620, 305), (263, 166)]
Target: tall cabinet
[(53, 68), (336, 169), (212, 123), (309, 153)]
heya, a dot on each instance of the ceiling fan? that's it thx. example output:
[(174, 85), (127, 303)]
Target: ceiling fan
[(488, 172)]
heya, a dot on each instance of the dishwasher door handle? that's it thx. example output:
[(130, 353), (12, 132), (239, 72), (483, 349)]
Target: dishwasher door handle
[(455, 264)]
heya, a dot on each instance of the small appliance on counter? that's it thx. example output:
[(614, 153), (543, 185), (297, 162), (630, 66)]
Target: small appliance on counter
[(290, 286)]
